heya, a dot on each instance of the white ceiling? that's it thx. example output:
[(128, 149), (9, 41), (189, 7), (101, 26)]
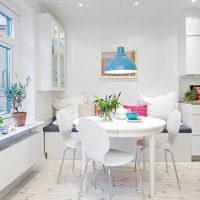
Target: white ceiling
[(106, 9)]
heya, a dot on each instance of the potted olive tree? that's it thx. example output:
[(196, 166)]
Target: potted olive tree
[(15, 94)]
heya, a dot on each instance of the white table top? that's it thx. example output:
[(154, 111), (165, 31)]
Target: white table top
[(124, 128)]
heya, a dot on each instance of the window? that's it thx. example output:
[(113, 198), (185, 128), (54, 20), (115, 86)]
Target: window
[(4, 77), (6, 46), (5, 25)]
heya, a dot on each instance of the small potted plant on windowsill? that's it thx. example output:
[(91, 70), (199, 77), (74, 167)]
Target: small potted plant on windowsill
[(15, 94)]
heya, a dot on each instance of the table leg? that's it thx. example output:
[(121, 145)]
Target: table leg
[(152, 164)]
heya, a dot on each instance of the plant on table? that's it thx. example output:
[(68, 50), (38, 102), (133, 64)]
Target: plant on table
[(15, 94), (108, 105)]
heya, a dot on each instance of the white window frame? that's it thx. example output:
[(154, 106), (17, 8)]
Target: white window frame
[(10, 42)]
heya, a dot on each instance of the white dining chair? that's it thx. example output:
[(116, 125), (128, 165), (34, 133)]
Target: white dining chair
[(74, 143), (96, 144), (173, 125)]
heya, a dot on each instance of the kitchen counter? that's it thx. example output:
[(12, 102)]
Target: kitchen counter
[(192, 102)]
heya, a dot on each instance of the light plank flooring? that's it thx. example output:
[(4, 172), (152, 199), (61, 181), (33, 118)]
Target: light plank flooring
[(41, 183)]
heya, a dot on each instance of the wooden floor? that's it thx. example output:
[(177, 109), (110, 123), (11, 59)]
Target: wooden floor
[(41, 183)]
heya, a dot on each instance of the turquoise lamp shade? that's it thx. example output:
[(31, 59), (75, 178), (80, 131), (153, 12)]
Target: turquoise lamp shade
[(120, 64)]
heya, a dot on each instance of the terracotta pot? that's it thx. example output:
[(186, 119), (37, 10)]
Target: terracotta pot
[(19, 118)]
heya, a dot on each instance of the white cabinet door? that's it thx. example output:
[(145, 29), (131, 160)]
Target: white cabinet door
[(195, 145), (51, 54), (62, 58), (193, 26), (193, 54), (55, 54)]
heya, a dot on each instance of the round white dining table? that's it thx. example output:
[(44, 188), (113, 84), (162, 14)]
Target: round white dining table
[(146, 127)]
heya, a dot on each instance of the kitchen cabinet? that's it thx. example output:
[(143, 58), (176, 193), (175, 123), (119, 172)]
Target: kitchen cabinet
[(189, 47), (191, 118), (193, 54), (51, 54)]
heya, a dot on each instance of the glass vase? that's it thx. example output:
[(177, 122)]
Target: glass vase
[(107, 116)]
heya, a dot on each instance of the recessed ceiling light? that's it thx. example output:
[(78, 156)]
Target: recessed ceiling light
[(136, 3), (80, 4), (193, 1)]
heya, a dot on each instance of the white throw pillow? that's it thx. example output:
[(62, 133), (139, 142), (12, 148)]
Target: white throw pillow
[(159, 106), (86, 110), (73, 100), (55, 122), (72, 110)]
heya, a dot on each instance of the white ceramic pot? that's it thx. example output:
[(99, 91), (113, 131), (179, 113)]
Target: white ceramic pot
[(121, 113)]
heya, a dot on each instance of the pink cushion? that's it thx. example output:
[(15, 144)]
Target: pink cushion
[(141, 110)]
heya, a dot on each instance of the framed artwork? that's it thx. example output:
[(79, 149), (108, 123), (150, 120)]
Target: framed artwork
[(106, 56), (195, 87)]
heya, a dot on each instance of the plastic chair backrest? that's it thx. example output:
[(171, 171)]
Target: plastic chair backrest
[(65, 124), (173, 126), (94, 139)]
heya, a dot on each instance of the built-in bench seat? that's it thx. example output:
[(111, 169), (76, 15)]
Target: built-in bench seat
[(182, 149)]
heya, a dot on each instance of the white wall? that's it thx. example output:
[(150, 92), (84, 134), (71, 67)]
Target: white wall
[(38, 104), (155, 41), (26, 59)]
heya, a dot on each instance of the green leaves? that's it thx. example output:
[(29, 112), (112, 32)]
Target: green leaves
[(190, 95), (109, 104), (16, 93)]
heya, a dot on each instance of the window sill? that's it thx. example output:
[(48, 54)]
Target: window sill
[(6, 116)]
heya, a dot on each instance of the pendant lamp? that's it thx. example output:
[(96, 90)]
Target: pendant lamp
[(120, 64)]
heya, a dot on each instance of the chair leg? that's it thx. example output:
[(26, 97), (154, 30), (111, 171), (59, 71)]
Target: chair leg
[(140, 179), (94, 169), (139, 160), (144, 158), (83, 179), (113, 176), (104, 169), (136, 157), (166, 161), (74, 154), (110, 184), (58, 180), (172, 155), (140, 153), (138, 164)]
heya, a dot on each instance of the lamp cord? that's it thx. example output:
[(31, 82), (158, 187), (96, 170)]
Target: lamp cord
[(120, 24)]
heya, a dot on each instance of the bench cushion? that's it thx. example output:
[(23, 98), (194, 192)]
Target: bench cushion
[(183, 129), (54, 128)]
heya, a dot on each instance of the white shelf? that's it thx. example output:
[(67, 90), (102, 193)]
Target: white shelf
[(20, 129)]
